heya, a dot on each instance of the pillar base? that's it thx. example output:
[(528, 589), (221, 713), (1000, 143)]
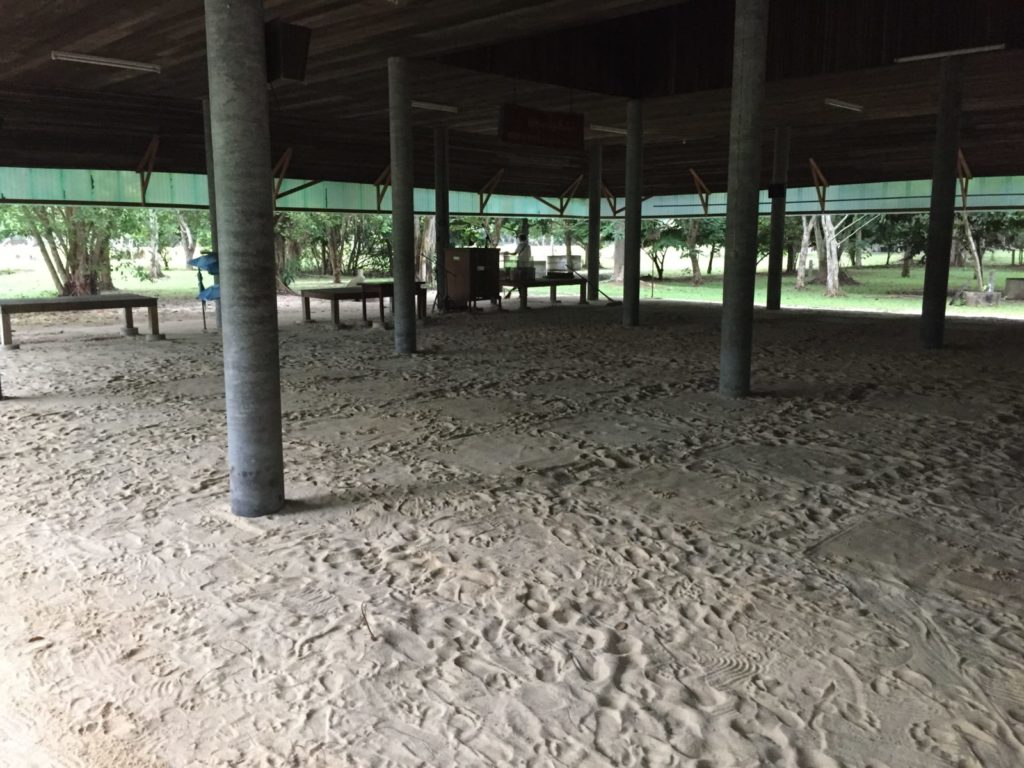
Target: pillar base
[(10, 347), (156, 337), (129, 331)]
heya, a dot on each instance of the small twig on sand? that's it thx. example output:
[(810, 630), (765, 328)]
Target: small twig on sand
[(366, 621)]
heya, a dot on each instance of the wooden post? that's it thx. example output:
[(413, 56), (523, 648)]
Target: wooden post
[(129, 324), (154, 325)]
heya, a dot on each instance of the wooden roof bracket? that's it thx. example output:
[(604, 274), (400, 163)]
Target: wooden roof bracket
[(565, 198), (963, 173), (280, 171), (613, 202), (299, 188), (820, 183), (488, 190), (549, 204), (145, 167), (382, 182), (702, 192)]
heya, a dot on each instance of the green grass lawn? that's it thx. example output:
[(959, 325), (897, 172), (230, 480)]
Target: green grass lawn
[(879, 289)]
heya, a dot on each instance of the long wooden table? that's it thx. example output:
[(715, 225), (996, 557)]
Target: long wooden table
[(125, 301), (363, 293), (546, 282)]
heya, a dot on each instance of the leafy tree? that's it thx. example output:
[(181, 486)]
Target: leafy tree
[(712, 234), (193, 231), (76, 242)]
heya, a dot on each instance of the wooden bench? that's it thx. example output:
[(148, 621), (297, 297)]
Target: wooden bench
[(363, 293), (125, 301), (522, 285)]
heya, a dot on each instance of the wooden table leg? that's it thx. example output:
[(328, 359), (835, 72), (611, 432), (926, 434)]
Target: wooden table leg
[(366, 320), (6, 336), (554, 294), (129, 324), (154, 326), (421, 303), (307, 316), (522, 298), (380, 299), (583, 293), (336, 311)]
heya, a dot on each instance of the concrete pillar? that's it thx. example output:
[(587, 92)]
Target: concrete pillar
[(211, 188), (240, 122), (748, 75), (943, 205), (442, 224), (403, 225), (594, 222), (780, 177), (634, 190)]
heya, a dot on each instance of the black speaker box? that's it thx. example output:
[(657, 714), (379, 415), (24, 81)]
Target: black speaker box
[(287, 51)]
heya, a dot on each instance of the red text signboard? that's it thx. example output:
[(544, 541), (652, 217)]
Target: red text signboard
[(521, 125)]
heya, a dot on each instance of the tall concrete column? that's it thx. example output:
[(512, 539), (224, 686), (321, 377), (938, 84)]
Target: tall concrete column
[(240, 122), (403, 226), (748, 75), (211, 188), (634, 190), (780, 177), (594, 222), (442, 225), (943, 205)]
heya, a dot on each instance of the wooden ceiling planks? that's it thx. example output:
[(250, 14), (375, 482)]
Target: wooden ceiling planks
[(63, 114)]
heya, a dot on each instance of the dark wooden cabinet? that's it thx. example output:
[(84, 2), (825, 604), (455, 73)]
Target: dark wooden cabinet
[(472, 275)]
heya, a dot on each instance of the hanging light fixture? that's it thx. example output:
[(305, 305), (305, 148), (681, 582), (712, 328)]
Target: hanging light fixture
[(104, 61)]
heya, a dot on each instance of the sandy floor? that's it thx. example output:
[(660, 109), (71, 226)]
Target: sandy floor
[(542, 542)]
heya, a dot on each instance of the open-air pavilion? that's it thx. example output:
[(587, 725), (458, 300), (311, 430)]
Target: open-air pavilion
[(647, 535)]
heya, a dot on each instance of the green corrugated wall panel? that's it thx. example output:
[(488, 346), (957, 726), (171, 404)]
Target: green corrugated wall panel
[(894, 196), (172, 189), (189, 190)]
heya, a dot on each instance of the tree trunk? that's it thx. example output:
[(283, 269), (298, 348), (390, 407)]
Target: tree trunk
[(492, 231), (335, 246), (657, 258), (790, 258), (819, 244), (956, 256), (100, 263), (425, 237), (49, 260), (805, 247), (691, 245), (908, 256), (979, 272), (856, 255), (831, 257), (711, 259), (188, 240), (620, 261), (155, 270)]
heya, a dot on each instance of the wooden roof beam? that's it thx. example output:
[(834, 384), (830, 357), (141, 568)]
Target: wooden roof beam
[(145, 167)]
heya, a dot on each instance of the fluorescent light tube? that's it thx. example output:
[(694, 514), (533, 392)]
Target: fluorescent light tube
[(103, 61), (431, 106), (947, 54), (848, 106), (608, 129)]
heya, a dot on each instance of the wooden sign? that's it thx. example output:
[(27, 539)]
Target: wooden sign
[(521, 125)]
